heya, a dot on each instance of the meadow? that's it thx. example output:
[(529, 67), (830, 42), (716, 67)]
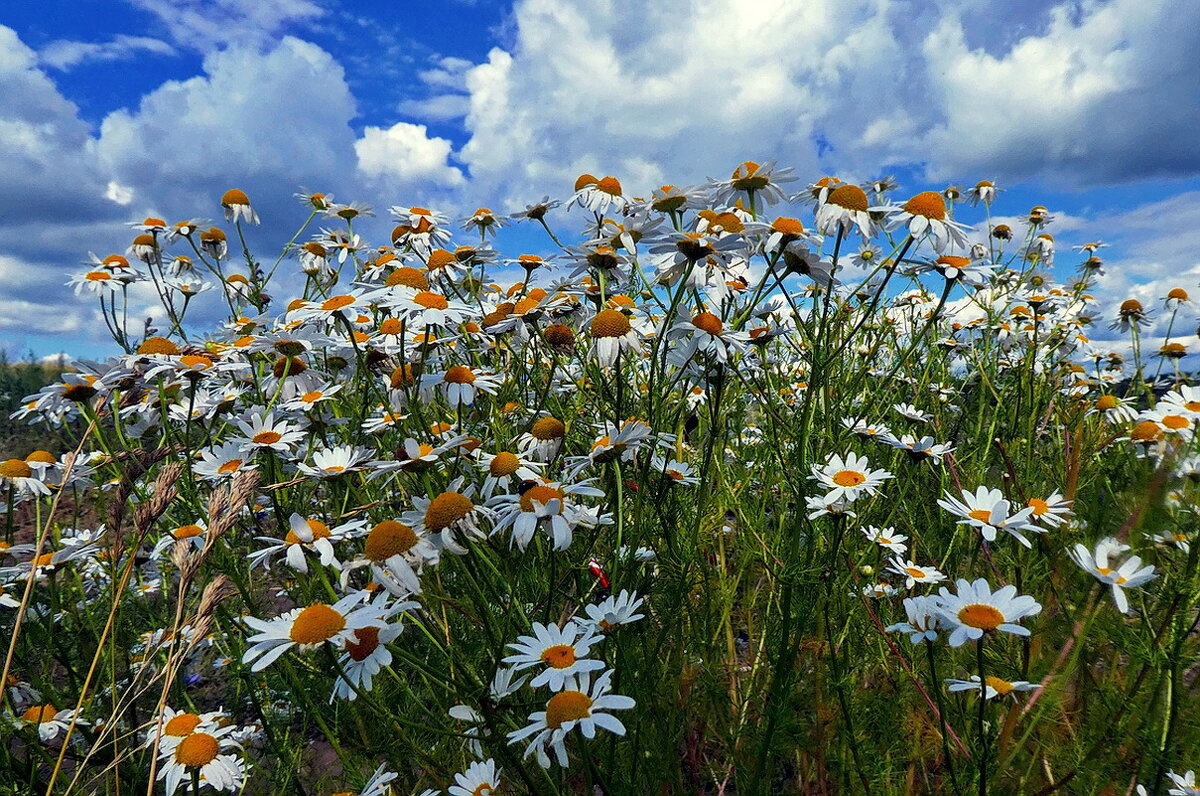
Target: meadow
[(751, 487)]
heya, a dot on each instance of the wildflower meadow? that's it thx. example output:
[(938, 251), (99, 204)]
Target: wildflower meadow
[(750, 487)]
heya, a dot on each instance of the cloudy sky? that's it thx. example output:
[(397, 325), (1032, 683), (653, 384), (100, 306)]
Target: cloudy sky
[(112, 110)]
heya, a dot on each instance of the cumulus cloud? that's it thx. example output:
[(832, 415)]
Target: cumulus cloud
[(63, 54), (689, 89), (406, 152)]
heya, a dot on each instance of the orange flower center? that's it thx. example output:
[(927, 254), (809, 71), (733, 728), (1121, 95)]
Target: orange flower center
[(389, 538), (447, 509), (1176, 422), (459, 374), (609, 185), (929, 204), (158, 345), (1039, 506), (504, 463), (181, 725), (610, 323), (366, 641), (40, 713), (319, 531), (187, 531), (337, 302), (266, 437), (983, 515), (1106, 402), (230, 466), (1001, 687), (567, 706), (560, 656), (431, 301), (542, 494), (197, 750), (850, 197), (409, 277), (548, 428), (15, 468), (707, 322), (984, 617), (316, 623), (235, 197), (848, 478)]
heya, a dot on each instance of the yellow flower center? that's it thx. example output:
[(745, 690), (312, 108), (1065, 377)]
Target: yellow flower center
[(1107, 402), (850, 197), (609, 185), (431, 301), (1176, 422), (187, 531), (459, 374), (548, 428), (409, 277), (610, 323), (1001, 687), (848, 478), (389, 538), (1146, 431), (447, 509), (15, 468), (542, 494), (181, 725), (337, 302), (230, 466), (567, 706), (316, 623), (504, 463), (1039, 506), (235, 197), (707, 322), (929, 204), (40, 713), (366, 641), (983, 515), (918, 574), (266, 438), (560, 656), (197, 750), (984, 617), (319, 531)]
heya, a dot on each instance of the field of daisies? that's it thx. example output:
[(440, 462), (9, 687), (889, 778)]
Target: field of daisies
[(750, 487)]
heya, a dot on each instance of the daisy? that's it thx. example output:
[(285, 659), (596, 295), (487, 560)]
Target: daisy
[(1054, 510), (18, 475), (914, 573), (994, 686), (1113, 409), (612, 334), (584, 708), (447, 516), (424, 308), (976, 610), (480, 779), (1129, 574), (1185, 784), (598, 195), (756, 180), (925, 214), (821, 505), (973, 272), (849, 478), (237, 207), (304, 536), (923, 448), (396, 555), (335, 461), (175, 725), (923, 620), (604, 617), (49, 720), (886, 538), (264, 431), (461, 383), (704, 333), (912, 413), (845, 209), (549, 505), (207, 751), (983, 191), (679, 473), (987, 510), (366, 652), (563, 651), (503, 469), (306, 628)]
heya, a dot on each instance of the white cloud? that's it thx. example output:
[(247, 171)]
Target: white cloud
[(406, 152), (438, 108), (206, 25), (64, 54)]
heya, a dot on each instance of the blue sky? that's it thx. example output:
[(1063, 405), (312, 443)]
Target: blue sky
[(111, 110)]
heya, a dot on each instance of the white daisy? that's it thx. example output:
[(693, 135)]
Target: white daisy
[(976, 610)]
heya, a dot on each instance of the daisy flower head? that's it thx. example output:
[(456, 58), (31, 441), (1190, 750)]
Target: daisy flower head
[(598, 195), (1053, 510), (396, 555), (586, 708), (304, 535), (886, 538), (461, 384), (704, 334), (914, 573), (925, 215), (49, 720), (19, 475), (1131, 314), (923, 619), (846, 209), (335, 461), (910, 412), (849, 478), (973, 272), (983, 191), (447, 517), (993, 686), (263, 430), (237, 207), (1183, 784), (1114, 409), (679, 473), (548, 505), (987, 510), (1126, 575), (306, 629), (975, 609), (544, 438), (483, 221), (366, 652), (223, 461), (481, 778), (612, 334), (563, 651), (920, 449), (817, 193), (208, 750), (606, 616), (755, 180)]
